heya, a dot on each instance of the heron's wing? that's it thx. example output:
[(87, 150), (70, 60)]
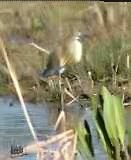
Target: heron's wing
[(53, 60), (64, 55), (67, 56), (52, 65), (60, 56)]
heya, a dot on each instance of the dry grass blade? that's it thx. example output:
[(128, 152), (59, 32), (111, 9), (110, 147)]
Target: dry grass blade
[(74, 146), (99, 14), (57, 155), (59, 138), (65, 151), (35, 149), (68, 146), (60, 120), (5, 11), (70, 102), (18, 90), (73, 97), (65, 140), (56, 138)]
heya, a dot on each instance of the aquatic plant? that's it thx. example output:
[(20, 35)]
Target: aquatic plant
[(110, 124), (108, 111), (84, 141)]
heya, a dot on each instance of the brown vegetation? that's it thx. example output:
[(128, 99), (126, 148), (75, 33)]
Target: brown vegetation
[(106, 53)]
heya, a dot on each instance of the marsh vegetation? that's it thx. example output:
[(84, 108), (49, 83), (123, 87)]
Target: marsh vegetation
[(106, 61)]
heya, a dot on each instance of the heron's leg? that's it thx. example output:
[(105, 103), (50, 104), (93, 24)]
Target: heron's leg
[(61, 120), (61, 87), (69, 85)]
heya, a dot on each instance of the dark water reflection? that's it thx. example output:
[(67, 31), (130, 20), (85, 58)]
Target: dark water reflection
[(14, 129)]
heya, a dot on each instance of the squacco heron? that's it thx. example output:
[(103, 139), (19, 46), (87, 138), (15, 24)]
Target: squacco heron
[(69, 53)]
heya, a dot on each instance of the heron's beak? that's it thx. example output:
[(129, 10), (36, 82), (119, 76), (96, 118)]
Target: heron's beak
[(85, 35)]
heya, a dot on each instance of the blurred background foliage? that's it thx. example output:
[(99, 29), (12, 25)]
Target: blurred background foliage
[(106, 53)]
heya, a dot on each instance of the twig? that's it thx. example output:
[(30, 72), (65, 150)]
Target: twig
[(40, 48), (127, 104)]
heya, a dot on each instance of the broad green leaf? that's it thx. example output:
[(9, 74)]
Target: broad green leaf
[(113, 114), (110, 124), (103, 132), (109, 115), (119, 118)]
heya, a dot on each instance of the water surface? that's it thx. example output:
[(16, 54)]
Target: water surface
[(14, 129)]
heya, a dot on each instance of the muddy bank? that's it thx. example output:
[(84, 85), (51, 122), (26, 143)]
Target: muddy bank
[(49, 91)]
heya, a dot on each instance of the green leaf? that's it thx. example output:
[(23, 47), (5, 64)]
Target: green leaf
[(113, 113), (119, 118), (109, 115)]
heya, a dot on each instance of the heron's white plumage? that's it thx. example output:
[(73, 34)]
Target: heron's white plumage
[(75, 49)]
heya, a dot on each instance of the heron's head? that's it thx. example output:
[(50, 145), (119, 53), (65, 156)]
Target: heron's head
[(80, 36)]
